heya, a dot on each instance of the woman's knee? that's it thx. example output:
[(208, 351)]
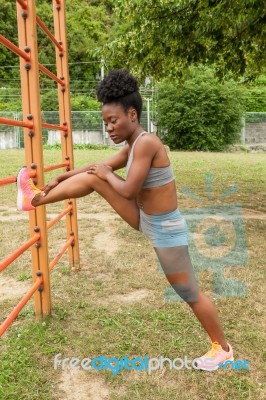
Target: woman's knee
[(89, 182), (96, 183), (185, 285), (189, 293), (90, 179)]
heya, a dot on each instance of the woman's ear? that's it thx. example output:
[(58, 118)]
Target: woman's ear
[(133, 114)]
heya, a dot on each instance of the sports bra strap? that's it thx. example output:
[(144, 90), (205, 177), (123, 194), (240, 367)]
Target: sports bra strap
[(130, 157), (135, 141)]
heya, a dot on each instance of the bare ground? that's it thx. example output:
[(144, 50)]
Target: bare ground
[(105, 241), (78, 384)]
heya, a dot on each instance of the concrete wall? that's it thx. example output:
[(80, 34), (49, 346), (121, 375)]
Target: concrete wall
[(9, 140), (80, 137), (255, 132)]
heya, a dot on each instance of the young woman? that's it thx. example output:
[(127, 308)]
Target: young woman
[(146, 199)]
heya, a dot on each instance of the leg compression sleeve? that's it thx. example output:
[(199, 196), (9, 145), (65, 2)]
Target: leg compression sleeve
[(176, 264)]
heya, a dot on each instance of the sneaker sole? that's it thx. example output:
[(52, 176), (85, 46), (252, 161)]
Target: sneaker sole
[(217, 366), (19, 195)]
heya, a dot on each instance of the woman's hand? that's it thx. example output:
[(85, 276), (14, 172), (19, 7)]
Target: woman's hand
[(101, 170), (49, 186)]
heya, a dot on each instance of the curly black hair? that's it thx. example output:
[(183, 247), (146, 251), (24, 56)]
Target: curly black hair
[(120, 87)]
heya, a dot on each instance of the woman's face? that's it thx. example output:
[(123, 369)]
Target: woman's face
[(119, 124)]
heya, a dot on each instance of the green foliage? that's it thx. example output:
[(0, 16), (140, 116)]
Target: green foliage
[(8, 29), (255, 99), (91, 120), (254, 94), (78, 147), (166, 36), (199, 113), (84, 103), (9, 103), (49, 100), (87, 27), (256, 117)]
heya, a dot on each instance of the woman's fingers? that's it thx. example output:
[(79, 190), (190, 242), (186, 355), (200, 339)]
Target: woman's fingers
[(46, 190), (91, 169), (48, 187)]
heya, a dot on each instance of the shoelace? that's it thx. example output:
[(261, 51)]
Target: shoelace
[(34, 188), (214, 350)]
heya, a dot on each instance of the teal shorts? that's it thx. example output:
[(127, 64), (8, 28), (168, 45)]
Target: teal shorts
[(164, 230)]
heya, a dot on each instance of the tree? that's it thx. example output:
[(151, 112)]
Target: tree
[(254, 93), (164, 37), (199, 113), (8, 18), (88, 24)]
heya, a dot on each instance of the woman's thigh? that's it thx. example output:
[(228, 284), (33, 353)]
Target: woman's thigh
[(176, 264), (83, 184), (127, 209)]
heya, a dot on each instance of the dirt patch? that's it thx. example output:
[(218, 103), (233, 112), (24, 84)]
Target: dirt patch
[(246, 214), (78, 385), (14, 215), (10, 288), (99, 216), (101, 276), (252, 214), (137, 295), (107, 241)]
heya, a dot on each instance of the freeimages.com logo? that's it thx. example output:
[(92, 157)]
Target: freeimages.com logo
[(216, 240)]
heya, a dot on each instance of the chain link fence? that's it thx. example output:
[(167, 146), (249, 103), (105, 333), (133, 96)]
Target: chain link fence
[(10, 136), (88, 128)]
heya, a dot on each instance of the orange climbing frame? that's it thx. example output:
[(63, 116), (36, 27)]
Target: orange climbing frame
[(48, 33), (12, 122), (19, 251), (14, 48), (32, 124), (8, 321), (23, 4)]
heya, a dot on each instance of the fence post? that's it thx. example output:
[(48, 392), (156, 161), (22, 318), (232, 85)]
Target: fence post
[(30, 88), (243, 131)]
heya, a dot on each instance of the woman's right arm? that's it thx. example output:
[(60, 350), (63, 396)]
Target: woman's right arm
[(119, 160), (116, 162)]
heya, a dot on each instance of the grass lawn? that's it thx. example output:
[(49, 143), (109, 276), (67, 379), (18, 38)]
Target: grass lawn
[(116, 306)]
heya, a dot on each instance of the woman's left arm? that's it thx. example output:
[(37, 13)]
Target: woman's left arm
[(144, 152)]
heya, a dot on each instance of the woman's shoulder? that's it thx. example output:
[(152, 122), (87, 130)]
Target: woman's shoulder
[(160, 151), (148, 143), (151, 138), (152, 145), (153, 141)]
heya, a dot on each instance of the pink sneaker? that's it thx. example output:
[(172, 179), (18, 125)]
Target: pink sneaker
[(26, 190), (215, 357)]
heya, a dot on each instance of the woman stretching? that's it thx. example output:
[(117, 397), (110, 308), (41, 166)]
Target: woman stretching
[(146, 199)]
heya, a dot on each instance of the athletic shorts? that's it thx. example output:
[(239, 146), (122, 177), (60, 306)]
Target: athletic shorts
[(164, 230)]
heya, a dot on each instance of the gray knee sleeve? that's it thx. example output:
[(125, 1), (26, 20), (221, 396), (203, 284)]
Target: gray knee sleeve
[(176, 264)]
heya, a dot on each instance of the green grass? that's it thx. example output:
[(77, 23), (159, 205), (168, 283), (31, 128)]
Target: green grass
[(89, 315)]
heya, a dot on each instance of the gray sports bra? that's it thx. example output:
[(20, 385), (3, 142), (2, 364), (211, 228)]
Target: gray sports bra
[(156, 176)]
